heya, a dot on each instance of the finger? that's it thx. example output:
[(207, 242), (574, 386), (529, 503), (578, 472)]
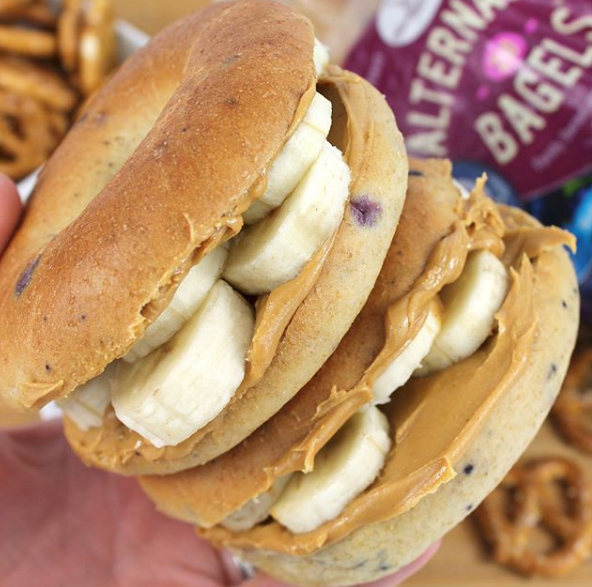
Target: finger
[(10, 209), (261, 580)]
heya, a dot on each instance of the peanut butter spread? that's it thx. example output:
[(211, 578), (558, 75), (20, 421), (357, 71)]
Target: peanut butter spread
[(274, 312), (428, 440)]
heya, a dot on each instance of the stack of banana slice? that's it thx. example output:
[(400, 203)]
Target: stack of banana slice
[(457, 325)]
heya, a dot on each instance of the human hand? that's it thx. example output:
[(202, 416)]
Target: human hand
[(10, 209), (62, 523)]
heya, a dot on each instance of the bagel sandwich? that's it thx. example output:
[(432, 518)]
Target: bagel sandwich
[(435, 391), (201, 240)]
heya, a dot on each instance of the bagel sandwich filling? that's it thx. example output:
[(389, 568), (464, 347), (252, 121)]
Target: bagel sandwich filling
[(459, 318), (451, 321), (191, 360), (458, 321)]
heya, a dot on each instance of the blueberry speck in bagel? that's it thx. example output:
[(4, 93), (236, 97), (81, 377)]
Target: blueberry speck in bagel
[(26, 276), (365, 211)]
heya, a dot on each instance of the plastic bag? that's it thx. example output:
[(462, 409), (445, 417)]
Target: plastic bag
[(503, 86)]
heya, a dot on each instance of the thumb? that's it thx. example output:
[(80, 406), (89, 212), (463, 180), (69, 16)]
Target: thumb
[(10, 209)]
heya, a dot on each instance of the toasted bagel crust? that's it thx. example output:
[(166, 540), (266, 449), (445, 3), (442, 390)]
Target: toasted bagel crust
[(382, 548), (160, 162)]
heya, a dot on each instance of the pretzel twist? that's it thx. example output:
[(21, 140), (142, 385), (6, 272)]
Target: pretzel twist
[(36, 13), (36, 81), (550, 494), (69, 25), (87, 42), (28, 133), (572, 412), (26, 41)]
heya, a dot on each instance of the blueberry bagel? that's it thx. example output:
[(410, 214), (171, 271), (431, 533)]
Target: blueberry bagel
[(440, 384), (201, 241)]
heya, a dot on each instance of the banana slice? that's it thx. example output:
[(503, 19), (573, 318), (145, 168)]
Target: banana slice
[(180, 387), (342, 470), (187, 299), (321, 57), (87, 404), (401, 369), (257, 509), (264, 256), (299, 153), (470, 305)]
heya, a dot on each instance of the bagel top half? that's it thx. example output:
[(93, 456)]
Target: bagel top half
[(152, 190), (454, 432)]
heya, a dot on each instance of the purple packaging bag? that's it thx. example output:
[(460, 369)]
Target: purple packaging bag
[(503, 86)]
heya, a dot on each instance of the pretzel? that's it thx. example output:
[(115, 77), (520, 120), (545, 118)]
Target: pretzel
[(69, 25), (27, 42), (97, 46), (9, 5), (28, 133), (37, 13), (572, 412), (551, 494), (58, 124), (39, 82), (87, 42)]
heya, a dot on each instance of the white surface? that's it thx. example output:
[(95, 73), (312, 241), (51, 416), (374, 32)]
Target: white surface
[(401, 22)]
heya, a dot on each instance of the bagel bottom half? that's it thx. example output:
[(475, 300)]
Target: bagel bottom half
[(378, 549)]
